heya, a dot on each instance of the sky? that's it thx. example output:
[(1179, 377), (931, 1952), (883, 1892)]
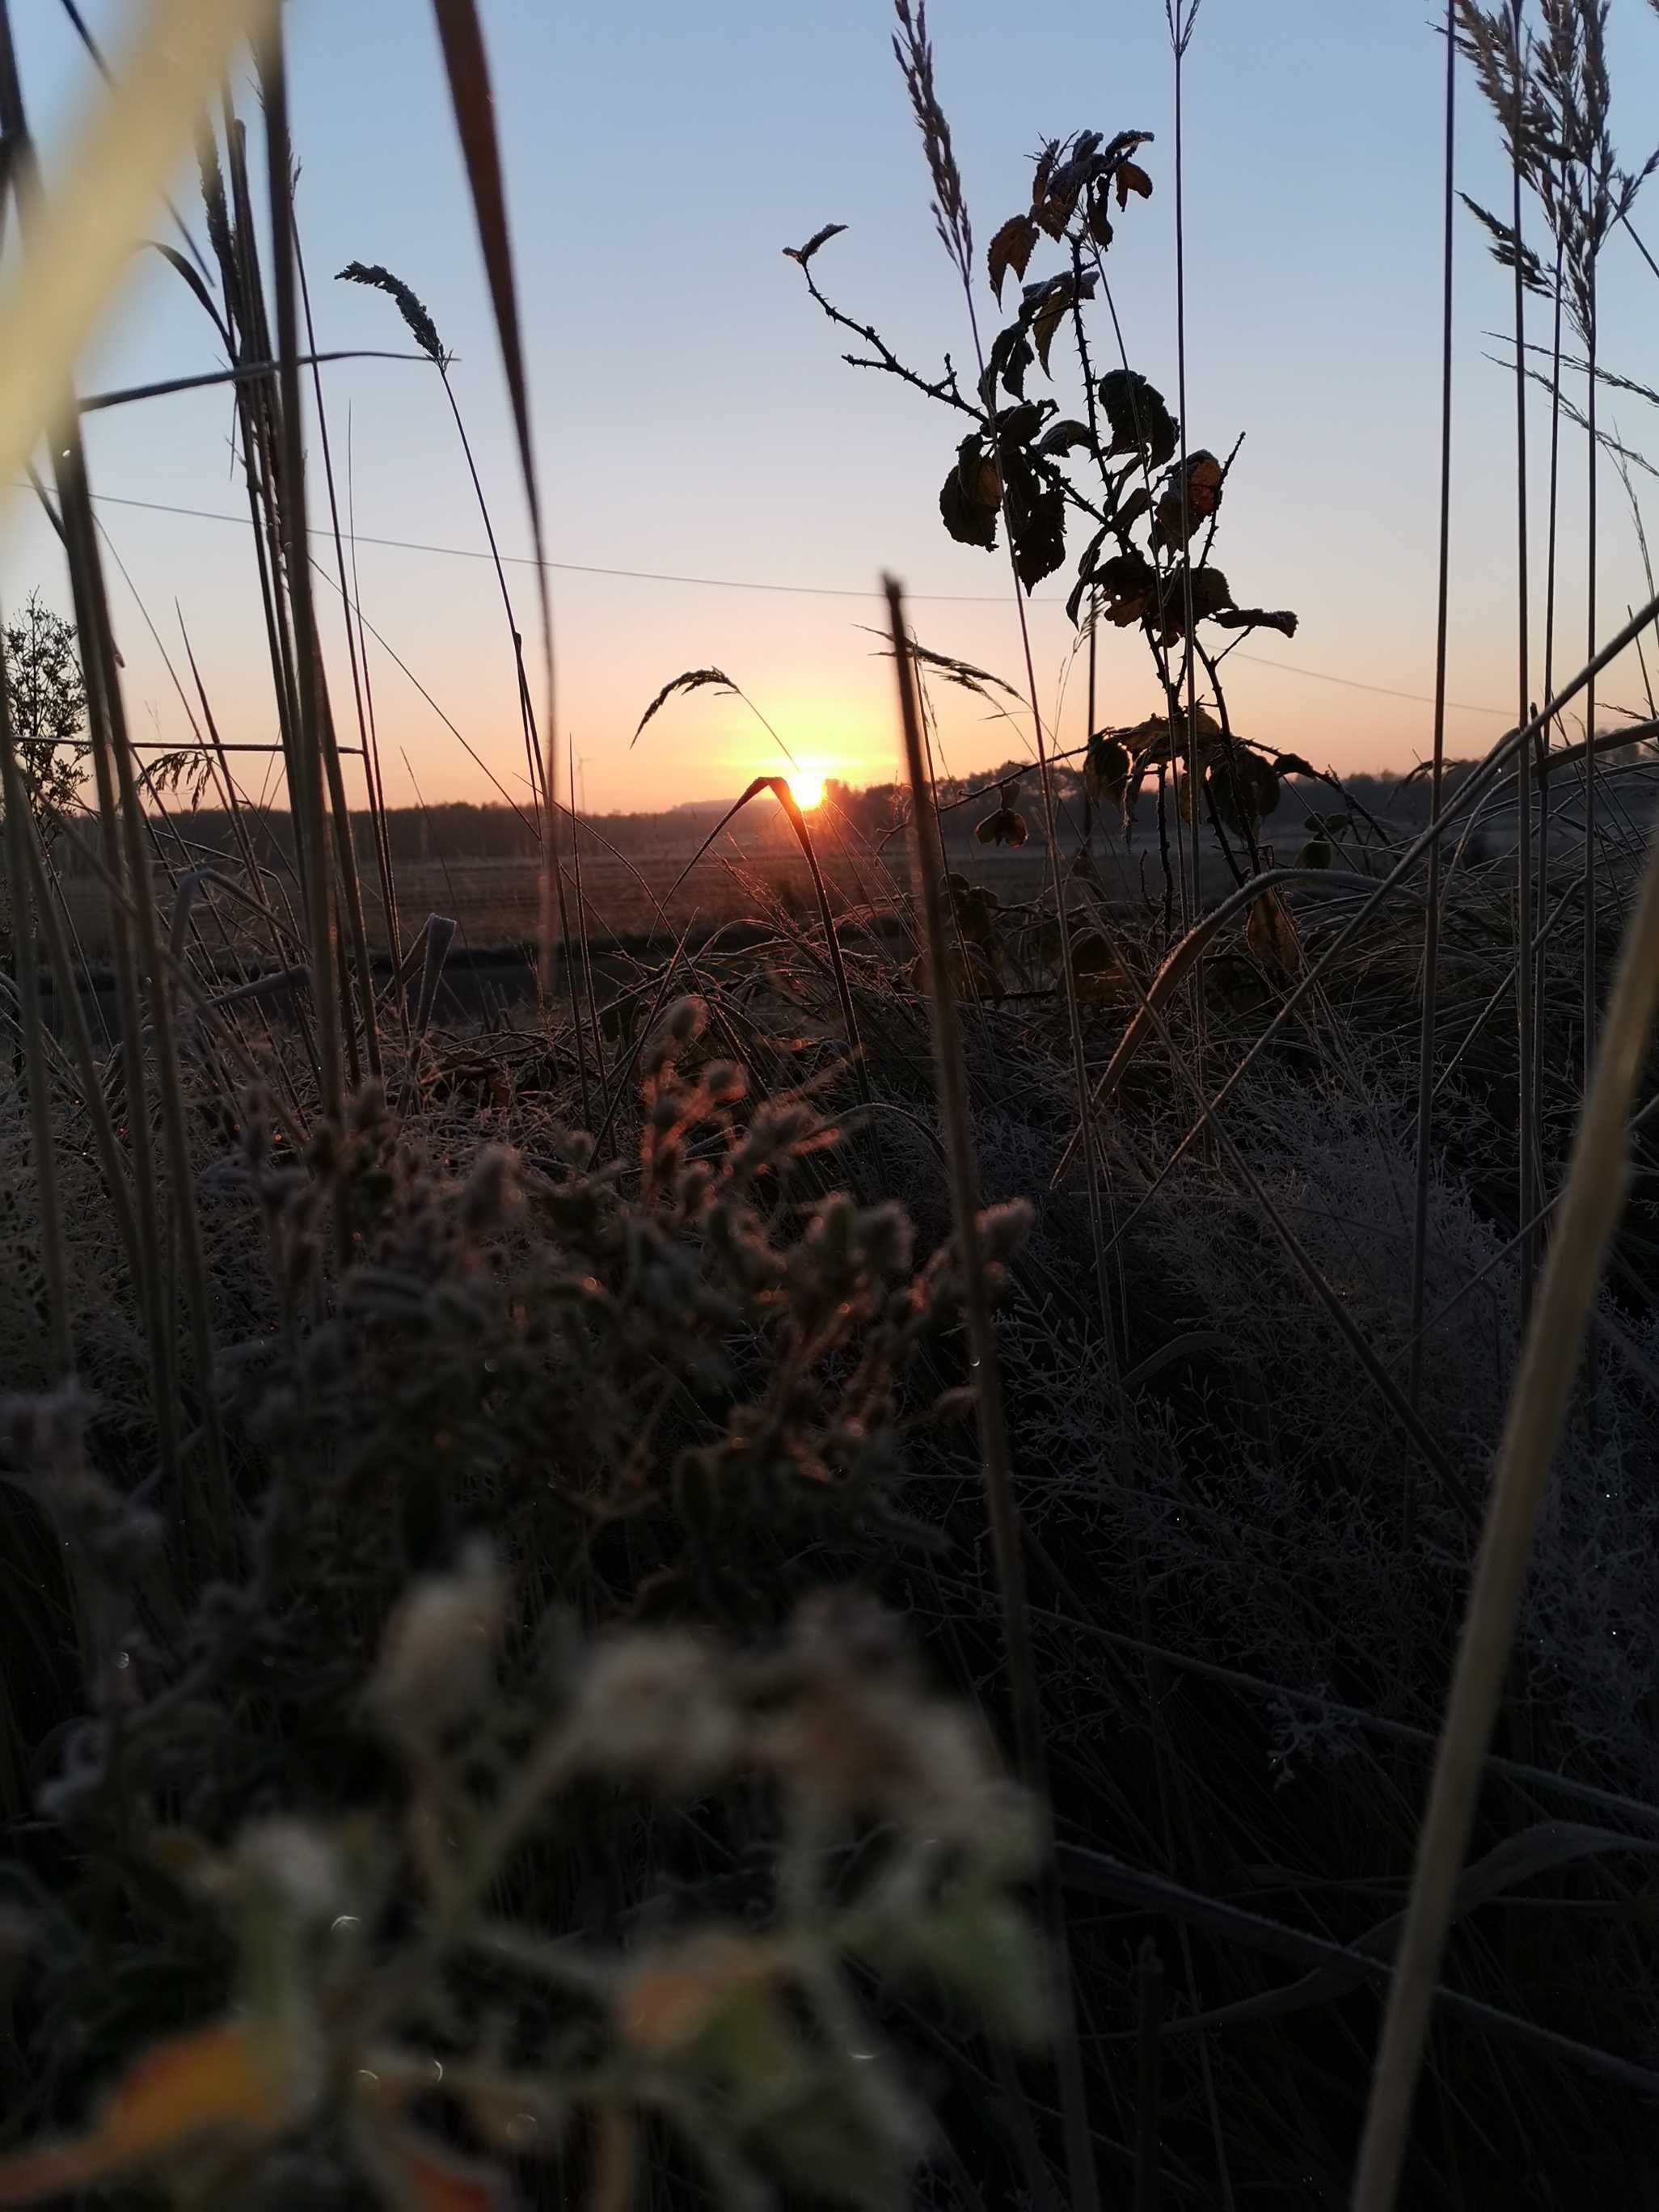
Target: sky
[(693, 419)]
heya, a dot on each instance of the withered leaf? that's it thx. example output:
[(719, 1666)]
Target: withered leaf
[(1140, 422), (1019, 425), (971, 494), (804, 254), (1132, 178), (1010, 357), (1244, 787), (1270, 933), (1210, 598), (1011, 249), (1005, 827), (1106, 769), (1063, 437), (1036, 520), (1128, 585), (1281, 619)]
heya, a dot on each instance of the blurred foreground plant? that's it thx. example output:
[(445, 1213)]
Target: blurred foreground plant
[(379, 1985)]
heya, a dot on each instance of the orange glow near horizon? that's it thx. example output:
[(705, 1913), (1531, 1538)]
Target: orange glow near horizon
[(807, 782)]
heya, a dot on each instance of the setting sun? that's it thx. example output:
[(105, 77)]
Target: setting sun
[(807, 785)]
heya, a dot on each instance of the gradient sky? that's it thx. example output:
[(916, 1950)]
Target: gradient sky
[(693, 415)]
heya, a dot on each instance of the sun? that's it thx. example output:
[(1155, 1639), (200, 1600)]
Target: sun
[(807, 785)]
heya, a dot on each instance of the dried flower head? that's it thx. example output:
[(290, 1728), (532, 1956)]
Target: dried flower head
[(437, 1652)]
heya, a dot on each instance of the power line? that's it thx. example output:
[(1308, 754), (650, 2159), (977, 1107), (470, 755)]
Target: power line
[(1383, 690), (753, 584)]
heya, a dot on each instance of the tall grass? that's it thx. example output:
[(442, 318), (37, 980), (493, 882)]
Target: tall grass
[(401, 1405)]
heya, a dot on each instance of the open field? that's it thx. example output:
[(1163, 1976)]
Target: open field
[(977, 1523)]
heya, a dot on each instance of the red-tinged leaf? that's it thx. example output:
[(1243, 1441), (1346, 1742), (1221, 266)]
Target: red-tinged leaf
[(1011, 249), (238, 2079), (420, 2176)]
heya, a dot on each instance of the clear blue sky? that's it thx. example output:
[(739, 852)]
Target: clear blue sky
[(693, 414)]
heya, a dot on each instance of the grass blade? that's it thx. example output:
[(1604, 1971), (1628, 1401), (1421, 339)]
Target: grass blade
[(1001, 1510), (468, 70), (1590, 1206)]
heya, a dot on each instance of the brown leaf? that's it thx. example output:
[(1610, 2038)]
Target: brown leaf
[(804, 254), (1106, 769), (1279, 618), (1097, 971), (1270, 933), (1046, 322), (239, 2079), (1011, 249), (1245, 788), (1132, 178)]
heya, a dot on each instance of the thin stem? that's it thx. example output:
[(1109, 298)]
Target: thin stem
[(1002, 1511), (1526, 1140)]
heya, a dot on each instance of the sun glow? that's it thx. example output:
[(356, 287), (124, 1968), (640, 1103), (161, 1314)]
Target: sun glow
[(807, 784)]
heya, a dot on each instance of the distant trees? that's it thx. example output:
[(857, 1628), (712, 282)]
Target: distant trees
[(47, 698)]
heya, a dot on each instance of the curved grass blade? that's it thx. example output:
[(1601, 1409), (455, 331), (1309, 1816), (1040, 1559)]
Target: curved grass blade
[(87, 229), (245, 373)]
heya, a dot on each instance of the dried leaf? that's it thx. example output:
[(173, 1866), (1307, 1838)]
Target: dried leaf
[(1106, 769), (1194, 496), (804, 254), (1140, 422), (1019, 425), (1270, 933), (1010, 357), (1127, 585), (670, 2000), (1011, 249), (1063, 437), (1281, 619), (1132, 178), (1036, 520), (1244, 787), (418, 2175), (971, 495), (1006, 826), (241, 2079)]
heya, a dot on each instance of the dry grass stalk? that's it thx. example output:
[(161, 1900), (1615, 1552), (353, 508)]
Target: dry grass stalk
[(1585, 1220), (1002, 1511)]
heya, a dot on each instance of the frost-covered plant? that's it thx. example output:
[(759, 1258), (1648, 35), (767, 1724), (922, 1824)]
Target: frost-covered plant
[(378, 2012)]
